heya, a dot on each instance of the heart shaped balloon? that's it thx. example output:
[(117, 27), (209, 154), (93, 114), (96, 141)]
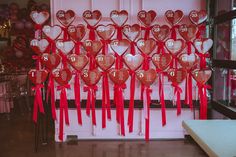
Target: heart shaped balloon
[(92, 46), (62, 76), (119, 17), (119, 76), (120, 46), (39, 46), (92, 18), (37, 76), (146, 46), (202, 76), (146, 18), (51, 61), (52, 32), (162, 60), (39, 17), (65, 46), (91, 77), (105, 62), (77, 33), (176, 75), (78, 62), (65, 17), (133, 62), (147, 77), (174, 46), (105, 32), (131, 32), (188, 32), (160, 32), (203, 45), (188, 61), (198, 17), (174, 17)]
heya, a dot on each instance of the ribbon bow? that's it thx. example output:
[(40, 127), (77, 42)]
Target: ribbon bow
[(119, 31), (177, 92), (50, 91), (91, 32), (203, 57), (202, 88), (173, 31), (160, 48), (146, 109), (38, 103), (147, 31)]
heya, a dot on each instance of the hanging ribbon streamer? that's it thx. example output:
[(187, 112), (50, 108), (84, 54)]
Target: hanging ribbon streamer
[(65, 33), (147, 32), (146, 109), (145, 67), (38, 31), (77, 97), (77, 47), (160, 48), (120, 107), (174, 62), (131, 102), (105, 46), (119, 32), (188, 90), (201, 30), (106, 106), (38, 102), (203, 63), (51, 94), (118, 65), (173, 31), (63, 110), (177, 92), (132, 47), (189, 47), (91, 97), (51, 47), (162, 97), (91, 32), (202, 90)]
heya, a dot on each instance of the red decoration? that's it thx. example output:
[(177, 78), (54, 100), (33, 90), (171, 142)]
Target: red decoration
[(198, 17), (78, 62), (62, 76), (105, 32), (92, 47), (65, 46), (52, 32), (174, 17), (120, 46), (119, 17), (132, 32), (77, 33), (188, 32), (38, 76), (160, 32), (147, 18), (51, 61), (133, 62), (92, 18), (91, 77), (105, 62), (65, 17), (39, 46), (146, 46), (39, 17), (162, 61)]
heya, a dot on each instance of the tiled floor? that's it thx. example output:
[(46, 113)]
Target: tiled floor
[(17, 140)]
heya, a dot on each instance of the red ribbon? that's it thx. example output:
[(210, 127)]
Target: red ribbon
[(174, 62), (201, 30), (105, 46), (91, 32), (77, 97), (63, 110), (120, 107), (91, 98), (188, 90), (50, 90), (160, 48), (131, 102), (146, 106), (38, 29), (203, 59), (38, 103), (52, 46), (66, 34), (162, 97), (64, 59), (173, 31), (119, 32), (189, 47), (106, 106), (118, 65), (147, 32), (145, 67), (177, 92), (132, 47), (77, 47), (203, 100)]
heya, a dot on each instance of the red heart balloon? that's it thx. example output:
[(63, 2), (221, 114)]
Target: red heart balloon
[(147, 77), (39, 46), (175, 46), (188, 32), (176, 75), (51, 61), (162, 60), (119, 17), (62, 76), (202, 76), (133, 62), (203, 45), (65, 17), (77, 33), (120, 46), (65, 46), (198, 17), (92, 18), (120, 76), (37, 76), (39, 17), (92, 46), (52, 32), (78, 62), (105, 32), (174, 17), (91, 77), (188, 61), (146, 46), (160, 32), (105, 62), (147, 18), (131, 32)]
